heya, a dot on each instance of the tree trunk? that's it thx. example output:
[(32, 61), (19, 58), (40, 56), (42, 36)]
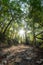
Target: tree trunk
[(34, 38), (7, 26)]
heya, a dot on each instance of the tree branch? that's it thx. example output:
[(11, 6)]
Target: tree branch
[(39, 33), (39, 38)]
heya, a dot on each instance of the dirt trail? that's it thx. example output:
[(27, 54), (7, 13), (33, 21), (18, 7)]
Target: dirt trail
[(16, 49), (21, 55)]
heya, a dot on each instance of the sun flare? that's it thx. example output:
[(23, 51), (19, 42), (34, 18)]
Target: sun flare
[(21, 32)]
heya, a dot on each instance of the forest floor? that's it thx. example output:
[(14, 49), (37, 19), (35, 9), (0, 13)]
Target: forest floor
[(21, 55)]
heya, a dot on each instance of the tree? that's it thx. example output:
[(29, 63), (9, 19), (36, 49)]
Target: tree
[(35, 13), (10, 12)]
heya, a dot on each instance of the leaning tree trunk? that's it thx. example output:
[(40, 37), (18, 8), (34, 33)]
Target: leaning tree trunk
[(34, 38), (7, 26)]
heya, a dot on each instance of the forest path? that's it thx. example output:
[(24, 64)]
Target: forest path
[(21, 55), (15, 49)]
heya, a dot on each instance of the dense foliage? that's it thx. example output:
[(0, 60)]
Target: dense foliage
[(21, 14)]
